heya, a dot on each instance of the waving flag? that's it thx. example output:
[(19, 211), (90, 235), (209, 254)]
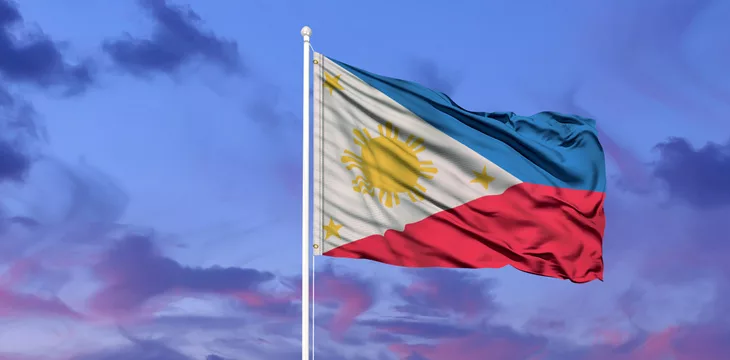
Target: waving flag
[(404, 176)]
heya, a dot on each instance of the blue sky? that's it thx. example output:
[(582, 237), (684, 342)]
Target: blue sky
[(151, 162)]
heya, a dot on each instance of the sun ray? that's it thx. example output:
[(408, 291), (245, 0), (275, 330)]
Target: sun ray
[(409, 140), (388, 166), (426, 173), (413, 197), (349, 159), (381, 196), (388, 200), (360, 138), (416, 196), (355, 156), (426, 170), (416, 143)]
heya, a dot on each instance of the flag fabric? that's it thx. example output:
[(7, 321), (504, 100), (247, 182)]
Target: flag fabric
[(404, 176)]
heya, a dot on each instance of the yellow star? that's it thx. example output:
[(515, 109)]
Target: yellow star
[(332, 82), (332, 229), (482, 178)]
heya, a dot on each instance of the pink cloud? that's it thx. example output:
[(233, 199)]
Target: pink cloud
[(473, 347), (14, 304), (352, 295), (18, 272)]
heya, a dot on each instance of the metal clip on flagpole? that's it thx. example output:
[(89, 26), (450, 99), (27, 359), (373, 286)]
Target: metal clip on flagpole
[(306, 33)]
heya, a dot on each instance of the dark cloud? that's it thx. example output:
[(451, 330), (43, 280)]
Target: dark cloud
[(128, 287), (176, 41), (18, 129), (215, 357), (430, 75), (699, 177), (13, 163), (38, 59), (35, 60)]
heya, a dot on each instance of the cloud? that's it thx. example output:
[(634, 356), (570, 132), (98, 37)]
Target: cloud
[(498, 343), (139, 349), (397, 329), (14, 304), (215, 357), (60, 214), (176, 41), (37, 59), (699, 177), (688, 342), (645, 44), (13, 163), (341, 297), (432, 76), (444, 292), (441, 342), (19, 129), (126, 288), (352, 294)]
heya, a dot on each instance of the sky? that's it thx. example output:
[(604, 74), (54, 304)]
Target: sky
[(150, 179)]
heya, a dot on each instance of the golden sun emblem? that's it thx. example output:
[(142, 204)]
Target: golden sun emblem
[(389, 165)]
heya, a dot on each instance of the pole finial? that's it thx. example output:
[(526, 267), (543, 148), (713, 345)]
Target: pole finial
[(306, 32)]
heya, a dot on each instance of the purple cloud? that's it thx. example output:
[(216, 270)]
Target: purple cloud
[(13, 163), (387, 329), (432, 76), (643, 43), (126, 288), (498, 343), (138, 349), (352, 295), (18, 129), (176, 41), (442, 292), (14, 304), (699, 177), (38, 61)]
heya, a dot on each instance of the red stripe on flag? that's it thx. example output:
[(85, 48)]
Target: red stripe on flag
[(535, 228)]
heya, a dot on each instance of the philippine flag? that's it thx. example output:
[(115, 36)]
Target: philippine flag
[(404, 176)]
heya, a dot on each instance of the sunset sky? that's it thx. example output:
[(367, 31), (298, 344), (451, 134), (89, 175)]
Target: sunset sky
[(150, 179)]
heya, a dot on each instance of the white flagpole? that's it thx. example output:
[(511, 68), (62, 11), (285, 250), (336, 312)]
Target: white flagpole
[(306, 33)]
